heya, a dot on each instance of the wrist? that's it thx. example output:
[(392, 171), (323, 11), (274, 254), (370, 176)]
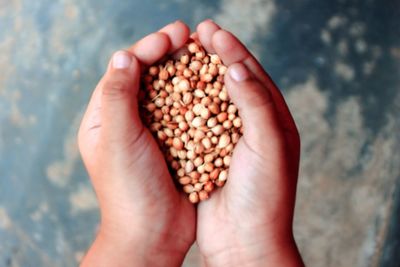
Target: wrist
[(135, 247), (255, 250)]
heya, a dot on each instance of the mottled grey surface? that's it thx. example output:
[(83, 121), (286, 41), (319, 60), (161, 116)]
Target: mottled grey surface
[(336, 61)]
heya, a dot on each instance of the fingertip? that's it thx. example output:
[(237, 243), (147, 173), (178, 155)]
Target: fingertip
[(244, 89), (178, 34), (229, 47), (206, 29), (151, 48)]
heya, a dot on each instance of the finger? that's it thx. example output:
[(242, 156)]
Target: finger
[(119, 108), (256, 109), (231, 50), (151, 48), (206, 30), (178, 33)]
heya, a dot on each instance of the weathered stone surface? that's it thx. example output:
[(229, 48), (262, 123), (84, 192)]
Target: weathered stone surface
[(337, 63)]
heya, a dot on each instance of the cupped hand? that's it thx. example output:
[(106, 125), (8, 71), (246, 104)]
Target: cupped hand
[(249, 221), (145, 221)]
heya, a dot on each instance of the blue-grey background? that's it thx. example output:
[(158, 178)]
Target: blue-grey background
[(337, 62)]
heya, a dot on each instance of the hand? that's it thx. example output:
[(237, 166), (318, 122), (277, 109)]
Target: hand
[(249, 221), (145, 221)]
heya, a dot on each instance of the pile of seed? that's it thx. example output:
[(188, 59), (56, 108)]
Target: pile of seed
[(186, 106)]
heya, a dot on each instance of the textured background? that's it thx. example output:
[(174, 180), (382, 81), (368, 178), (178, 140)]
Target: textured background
[(336, 61)]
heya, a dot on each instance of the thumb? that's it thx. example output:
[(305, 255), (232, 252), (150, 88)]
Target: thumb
[(119, 104), (262, 132)]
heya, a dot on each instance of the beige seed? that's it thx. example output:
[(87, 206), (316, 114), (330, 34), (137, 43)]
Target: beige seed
[(198, 135), (188, 73), (197, 109), (195, 175), (208, 158), (151, 107), (212, 69), (219, 183), (214, 108), (156, 126), (207, 77), (223, 95), (184, 85), (201, 169), (227, 160), (161, 135), (221, 117), (199, 148), (175, 165), (231, 116), (232, 109), (214, 174), (198, 187), (185, 59), (223, 175), (209, 167), (187, 98), (218, 162), (169, 132), (189, 167), (182, 154), (163, 75), (159, 102), (185, 180), (153, 70), (195, 65), (198, 161), (203, 195), (189, 116), (198, 122), (227, 124), (229, 148), (188, 188), (215, 59), (158, 114), (209, 186), (194, 197), (222, 70), (193, 48), (205, 113), (177, 143), (214, 140), (181, 172), (218, 129), (224, 140), (191, 155), (183, 126), (199, 93), (235, 137), (204, 178), (237, 122), (200, 55), (212, 122), (206, 143)]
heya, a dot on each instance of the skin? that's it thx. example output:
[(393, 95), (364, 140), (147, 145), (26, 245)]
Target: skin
[(145, 220)]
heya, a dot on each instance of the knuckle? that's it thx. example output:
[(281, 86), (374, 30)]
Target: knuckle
[(115, 89)]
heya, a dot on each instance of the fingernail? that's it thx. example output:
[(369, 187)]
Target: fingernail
[(239, 72), (121, 60)]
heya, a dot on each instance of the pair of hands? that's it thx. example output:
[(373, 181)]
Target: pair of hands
[(145, 221)]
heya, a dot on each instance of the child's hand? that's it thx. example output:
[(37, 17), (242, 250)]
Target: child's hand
[(144, 219), (249, 221)]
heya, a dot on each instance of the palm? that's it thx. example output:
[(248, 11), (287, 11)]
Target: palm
[(239, 204)]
